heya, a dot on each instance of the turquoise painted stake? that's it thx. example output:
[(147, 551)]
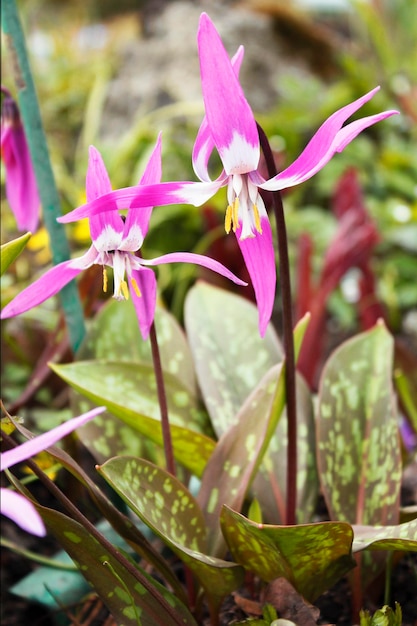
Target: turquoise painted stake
[(51, 204)]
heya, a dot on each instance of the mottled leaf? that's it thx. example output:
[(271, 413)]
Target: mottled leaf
[(114, 335), (121, 523), (130, 599), (358, 444), (312, 557), (400, 537), (229, 355), (168, 508), (241, 449), (270, 484), (128, 390), (11, 250)]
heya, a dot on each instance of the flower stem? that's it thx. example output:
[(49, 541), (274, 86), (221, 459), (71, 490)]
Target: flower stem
[(288, 339), (51, 205), (166, 431)]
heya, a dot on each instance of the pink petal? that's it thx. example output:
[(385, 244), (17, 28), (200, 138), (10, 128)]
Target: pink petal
[(329, 138), (21, 189), (110, 225), (198, 259), (145, 304), (151, 175), (148, 195), (229, 115), (204, 144), (42, 442), (21, 511), (46, 286), (258, 253)]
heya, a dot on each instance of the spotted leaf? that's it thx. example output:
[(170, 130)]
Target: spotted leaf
[(132, 600), (358, 442), (400, 537), (240, 451), (167, 507), (312, 557), (229, 355), (128, 390)]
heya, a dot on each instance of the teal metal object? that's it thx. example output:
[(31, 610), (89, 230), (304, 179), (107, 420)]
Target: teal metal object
[(51, 205)]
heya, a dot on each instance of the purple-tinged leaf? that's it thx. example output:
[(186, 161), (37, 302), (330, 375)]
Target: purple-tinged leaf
[(230, 358), (312, 557), (240, 451), (129, 389), (165, 505), (358, 441), (129, 601)]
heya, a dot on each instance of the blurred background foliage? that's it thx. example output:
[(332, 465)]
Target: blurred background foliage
[(76, 49)]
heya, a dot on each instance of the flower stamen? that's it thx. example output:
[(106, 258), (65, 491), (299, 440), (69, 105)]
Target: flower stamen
[(135, 287), (235, 214), (105, 279), (228, 219), (257, 219)]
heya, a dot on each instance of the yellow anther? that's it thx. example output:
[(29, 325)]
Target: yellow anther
[(135, 287), (124, 289), (257, 219), (228, 219), (235, 218), (105, 281)]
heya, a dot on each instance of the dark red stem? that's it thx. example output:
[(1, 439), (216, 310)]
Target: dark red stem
[(287, 332)]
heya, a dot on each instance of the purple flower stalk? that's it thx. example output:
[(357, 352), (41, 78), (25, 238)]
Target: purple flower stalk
[(21, 189), (14, 505), (230, 127), (115, 239)]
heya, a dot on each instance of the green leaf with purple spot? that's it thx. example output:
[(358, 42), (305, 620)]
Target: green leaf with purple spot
[(229, 355), (128, 390), (312, 557), (399, 537), (165, 505), (130, 600)]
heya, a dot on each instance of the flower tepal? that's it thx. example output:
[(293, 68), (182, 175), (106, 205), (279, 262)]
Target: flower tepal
[(115, 241)]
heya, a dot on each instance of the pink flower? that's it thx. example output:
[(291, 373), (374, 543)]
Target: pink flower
[(14, 505), (230, 127), (115, 240), (21, 190)]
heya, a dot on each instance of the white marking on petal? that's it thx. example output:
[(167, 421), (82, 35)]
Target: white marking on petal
[(133, 240), (239, 157), (109, 239)]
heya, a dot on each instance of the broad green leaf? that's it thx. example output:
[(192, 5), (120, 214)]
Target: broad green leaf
[(270, 483), (130, 599), (240, 451), (128, 391), (312, 557), (168, 508), (229, 355), (121, 523), (11, 250), (114, 336), (400, 537), (358, 444)]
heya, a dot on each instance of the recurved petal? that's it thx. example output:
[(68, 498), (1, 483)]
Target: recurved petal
[(229, 116), (148, 195), (145, 303), (258, 253), (329, 138), (21, 511), (138, 221), (197, 259), (46, 286), (204, 144), (42, 442), (106, 230)]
